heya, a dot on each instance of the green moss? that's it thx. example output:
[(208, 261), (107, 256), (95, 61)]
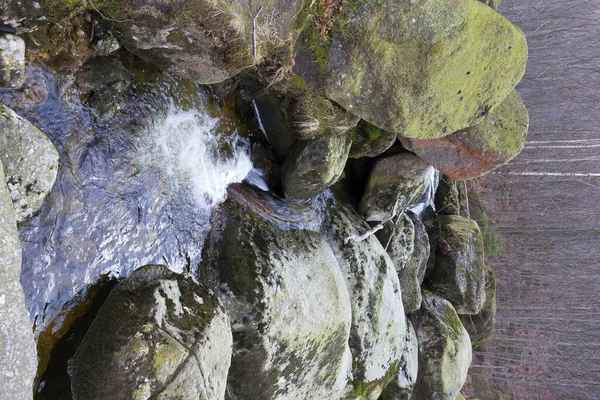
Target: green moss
[(363, 391)]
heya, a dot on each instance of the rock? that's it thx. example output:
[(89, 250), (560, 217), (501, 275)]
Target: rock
[(424, 69), (413, 274), (444, 350), (475, 151), (30, 162), (12, 61), (481, 326), (314, 165), (287, 299), (446, 197), (398, 240), (459, 396), (370, 141), (459, 274), (493, 242), (402, 387), (18, 355), (492, 3), (274, 114), (107, 45), (378, 322), (395, 182), (159, 334)]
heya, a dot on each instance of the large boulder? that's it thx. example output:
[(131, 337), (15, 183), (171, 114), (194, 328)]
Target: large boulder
[(287, 299), (424, 69), (413, 274), (12, 61), (444, 350), (370, 141), (30, 162), (402, 387), (18, 356), (458, 274), (398, 240), (447, 197), (395, 182), (158, 335), (475, 151), (480, 326), (378, 321)]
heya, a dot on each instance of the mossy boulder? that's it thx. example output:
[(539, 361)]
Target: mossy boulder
[(424, 69), (402, 387), (378, 322), (370, 141), (395, 182), (158, 335), (480, 326), (447, 197), (30, 162), (18, 355), (287, 299), (413, 273), (475, 151), (273, 111), (398, 240), (444, 350), (12, 61), (458, 274)]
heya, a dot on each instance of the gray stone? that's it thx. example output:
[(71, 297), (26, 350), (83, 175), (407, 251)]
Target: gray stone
[(413, 274), (395, 182), (444, 350), (18, 356), (158, 335), (458, 274), (370, 141), (402, 387), (481, 325), (446, 197), (273, 111), (378, 321), (30, 162), (12, 61)]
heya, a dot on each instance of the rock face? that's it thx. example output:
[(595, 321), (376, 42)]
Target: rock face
[(370, 141), (30, 162), (413, 274), (159, 334), (17, 346), (481, 326), (475, 151), (424, 69), (314, 165), (394, 183), (444, 350), (289, 307), (12, 61), (378, 322), (459, 274), (402, 387)]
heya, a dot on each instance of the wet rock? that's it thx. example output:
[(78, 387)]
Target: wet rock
[(17, 346), (30, 162), (274, 114), (475, 151), (459, 274), (378, 322), (159, 334), (414, 272), (288, 303), (398, 240), (402, 387), (480, 326), (424, 69), (446, 197), (370, 141), (12, 61), (444, 350), (314, 165), (395, 182)]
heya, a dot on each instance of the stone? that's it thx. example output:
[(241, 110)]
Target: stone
[(458, 274), (158, 335), (475, 151), (287, 299), (314, 165), (370, 141), (378, 329), (12, 61), (30, 162), (18, 355), (481, 325), (395, 182), (424, 69), (447, 197), (402, 387), (413, 274), (274, 115), (492, 3), (108, 45), (398, 240), (444, 350)]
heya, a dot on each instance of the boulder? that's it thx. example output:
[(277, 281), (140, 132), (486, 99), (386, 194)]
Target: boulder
[(395, 182), (398, 240), (475, 151), (480, 326), (378, 322), (370, 141), (18, 356), (314, 165), (447, 197), (30, 162), (274, 115), (424, 69), (413, 274), (458, 274), (444, 350), (12, 61), (402, 387), (287, 300), (158, 335)]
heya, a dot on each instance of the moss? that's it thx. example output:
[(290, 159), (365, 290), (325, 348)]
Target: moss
[(363, 391)]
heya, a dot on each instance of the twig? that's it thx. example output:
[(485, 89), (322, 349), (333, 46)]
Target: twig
[(105, 17), (370, 232), (254, 30)]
